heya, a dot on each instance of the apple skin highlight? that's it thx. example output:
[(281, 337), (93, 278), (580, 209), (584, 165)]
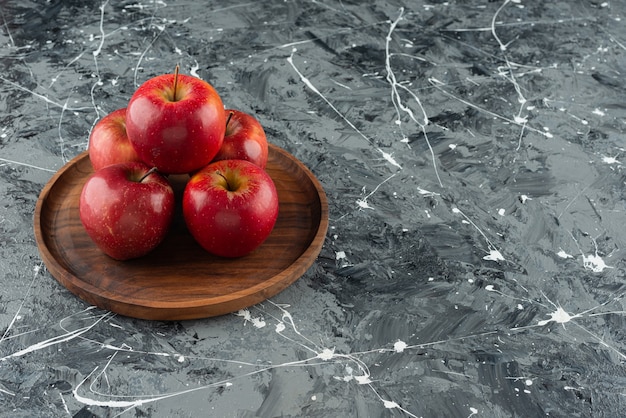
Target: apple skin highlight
[(178, 131)]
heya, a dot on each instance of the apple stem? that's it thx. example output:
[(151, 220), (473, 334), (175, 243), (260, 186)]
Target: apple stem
[(219, 173), (152, 170), (230, 115), (175, 82)]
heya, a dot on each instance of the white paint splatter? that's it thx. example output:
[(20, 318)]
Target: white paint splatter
[(362, 203), (594, 263), (257, 322), (194, 70), (341, 85), (326, 354), (389, 158), (399, 346), (427, 193), (280, 327), (70, 335), (340, 255), (610, 160), (363, 380), (102, 34), (494, 255), (390, 404), (559, 316), (520, 120), (8, 392), (563, 254), (312, 87), (396, 98)]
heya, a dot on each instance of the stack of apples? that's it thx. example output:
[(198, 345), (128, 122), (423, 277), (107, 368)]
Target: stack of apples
[(177, 124)]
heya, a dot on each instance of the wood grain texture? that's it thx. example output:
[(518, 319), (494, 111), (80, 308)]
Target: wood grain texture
[(179, 280)]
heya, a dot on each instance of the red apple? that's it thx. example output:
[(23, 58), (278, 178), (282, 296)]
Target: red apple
[(176, 123), (108, 142), (244, 139), (230, 207), (126, 209)]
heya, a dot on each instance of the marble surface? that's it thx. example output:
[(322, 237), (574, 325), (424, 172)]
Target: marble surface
[(473, 157)]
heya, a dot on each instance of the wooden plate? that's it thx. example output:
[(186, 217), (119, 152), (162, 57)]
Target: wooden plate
[(179, 280)]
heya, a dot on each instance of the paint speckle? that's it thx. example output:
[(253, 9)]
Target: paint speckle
[(494, 255), (363, 380), (594, 263), (362, 203), (563, 254), (399, 346), (559, 316), (427, 193), (256, 321), (194, 70), (610, 160), (327, 354), (390, 404)]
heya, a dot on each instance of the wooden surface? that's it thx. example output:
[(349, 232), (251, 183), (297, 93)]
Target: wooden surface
[(179, 280)]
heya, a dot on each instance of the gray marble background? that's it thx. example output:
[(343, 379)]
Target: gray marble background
[(472, 153)]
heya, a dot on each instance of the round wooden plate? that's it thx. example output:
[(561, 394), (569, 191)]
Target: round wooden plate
[(179, 280)]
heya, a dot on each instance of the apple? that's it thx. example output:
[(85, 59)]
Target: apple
[(230, 207), (108, 142), (244, 139), (176, 122), (126, 209)]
